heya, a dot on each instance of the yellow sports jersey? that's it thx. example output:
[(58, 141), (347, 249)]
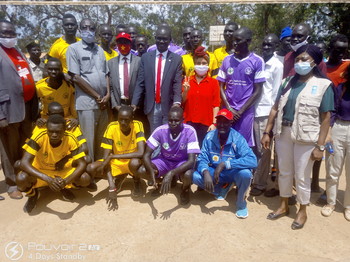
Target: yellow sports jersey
[(76, 132), (220, 54), (115, 140), (188, 64), (59, 49), (63, 95), (47, 156), (110, 55)]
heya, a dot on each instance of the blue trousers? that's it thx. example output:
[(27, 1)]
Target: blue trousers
[(241, 177)]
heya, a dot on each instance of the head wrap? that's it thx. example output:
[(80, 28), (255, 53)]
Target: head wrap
[(200, 52), (286, 32), (314, 51)]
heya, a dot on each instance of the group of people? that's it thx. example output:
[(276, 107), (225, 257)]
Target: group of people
[(165, 113)]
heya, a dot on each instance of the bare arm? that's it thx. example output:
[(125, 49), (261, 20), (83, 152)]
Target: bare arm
[(85, 86), (223, 95), (80, 168), (324, 128), (148, 164), (137, 154), (258, 87), (265, 140)]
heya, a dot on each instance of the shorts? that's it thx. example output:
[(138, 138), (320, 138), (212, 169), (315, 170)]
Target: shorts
[(164, 166), (121, 167)]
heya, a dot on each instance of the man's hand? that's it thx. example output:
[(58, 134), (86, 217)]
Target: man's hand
[(316, 154), (208, 182), (134, 107), (265, 141), (112, 200), (4, 123), (103, 102), (211, 128), (72, 124), (54, 184), (166, 183), (41, 122), (218, 171), (68, 78)]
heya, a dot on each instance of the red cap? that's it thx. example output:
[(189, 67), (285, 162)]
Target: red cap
[(123, 35), (225, 113)]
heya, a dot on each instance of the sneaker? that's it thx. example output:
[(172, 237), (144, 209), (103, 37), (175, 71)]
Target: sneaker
[(67, 194), (256, 191), (31, 202), (137, 189), (224, 191), (242, 213), (347, 214), (327, 210)]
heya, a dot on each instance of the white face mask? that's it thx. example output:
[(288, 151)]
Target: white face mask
[(88, 36), (201, 70), (8, 42), (303, 68), (297, 46)]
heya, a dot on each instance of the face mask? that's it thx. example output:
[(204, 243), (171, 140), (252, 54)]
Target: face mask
[(8, 42), (88, 36), (201, 70), (124, 49), (297, 46), (303, 68)]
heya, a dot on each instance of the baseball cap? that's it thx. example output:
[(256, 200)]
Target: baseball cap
[(225, 113), (123, 35)]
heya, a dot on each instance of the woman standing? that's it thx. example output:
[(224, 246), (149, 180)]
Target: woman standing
[(340, 134), (302, 118), (201, 96)]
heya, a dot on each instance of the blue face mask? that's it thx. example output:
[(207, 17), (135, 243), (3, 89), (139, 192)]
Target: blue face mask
[(303, 68), (88, 36)]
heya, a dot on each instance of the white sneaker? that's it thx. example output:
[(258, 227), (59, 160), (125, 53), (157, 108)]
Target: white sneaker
[(347, 214), (327, 210)]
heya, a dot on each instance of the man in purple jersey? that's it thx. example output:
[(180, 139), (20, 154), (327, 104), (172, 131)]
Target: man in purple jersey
[(241, 78), (178, 144)]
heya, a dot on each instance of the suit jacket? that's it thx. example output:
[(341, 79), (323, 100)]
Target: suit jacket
[(12, 105), (113, 65), (170, 86)]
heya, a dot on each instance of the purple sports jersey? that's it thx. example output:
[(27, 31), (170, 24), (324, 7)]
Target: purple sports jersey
[(240, 76), (172, 47), (174, 150)]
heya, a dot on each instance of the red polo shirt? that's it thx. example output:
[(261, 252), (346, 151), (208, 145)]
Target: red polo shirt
[(201, 99)]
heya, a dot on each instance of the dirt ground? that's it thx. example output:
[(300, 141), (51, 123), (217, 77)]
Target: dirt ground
[(158, 229)]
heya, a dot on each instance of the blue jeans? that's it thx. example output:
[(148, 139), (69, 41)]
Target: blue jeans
[(241, 177)]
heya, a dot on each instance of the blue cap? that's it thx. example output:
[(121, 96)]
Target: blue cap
[(286, 32)]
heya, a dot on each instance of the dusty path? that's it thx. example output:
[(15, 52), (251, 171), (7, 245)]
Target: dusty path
[(160, 230)]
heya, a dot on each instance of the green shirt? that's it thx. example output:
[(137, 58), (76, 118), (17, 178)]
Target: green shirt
[(327, 103)]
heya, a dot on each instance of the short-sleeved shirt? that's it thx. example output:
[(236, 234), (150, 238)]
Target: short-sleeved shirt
[(188, 64), (327, 103), (240, 77), (91, 64), (115, 140), (201, 99), (110, 55), (220, 54), (37, 70), (59, 49), (175, 150), (63, 95), (46, 156), (336, 73)]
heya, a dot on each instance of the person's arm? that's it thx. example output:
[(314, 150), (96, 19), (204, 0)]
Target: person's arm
[(148, 165), (223, 96), (104, 101), (177, 84), (137, 154), (140, 85), (185, 88), (215, 112), (203, 165), (85, 86), (266, 138), (325, 124), (27, 167), (168, 177), (79, 169)]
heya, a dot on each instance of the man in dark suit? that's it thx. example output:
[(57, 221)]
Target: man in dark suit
[(123, 72), (159, 80), (18, 104)]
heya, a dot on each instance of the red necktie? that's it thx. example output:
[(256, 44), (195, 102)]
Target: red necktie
[(126, 78), (159, 73)]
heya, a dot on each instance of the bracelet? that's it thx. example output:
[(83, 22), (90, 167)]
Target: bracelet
[(112, 190), (266, 133)]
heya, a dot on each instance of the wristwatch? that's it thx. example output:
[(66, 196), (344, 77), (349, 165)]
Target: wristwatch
[(321, 148)]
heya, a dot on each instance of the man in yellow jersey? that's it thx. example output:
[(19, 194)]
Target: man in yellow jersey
[(106, 35), (56, 88), (221, 52), (38, 164), (187, 60), (60, 46), (124, 145)]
